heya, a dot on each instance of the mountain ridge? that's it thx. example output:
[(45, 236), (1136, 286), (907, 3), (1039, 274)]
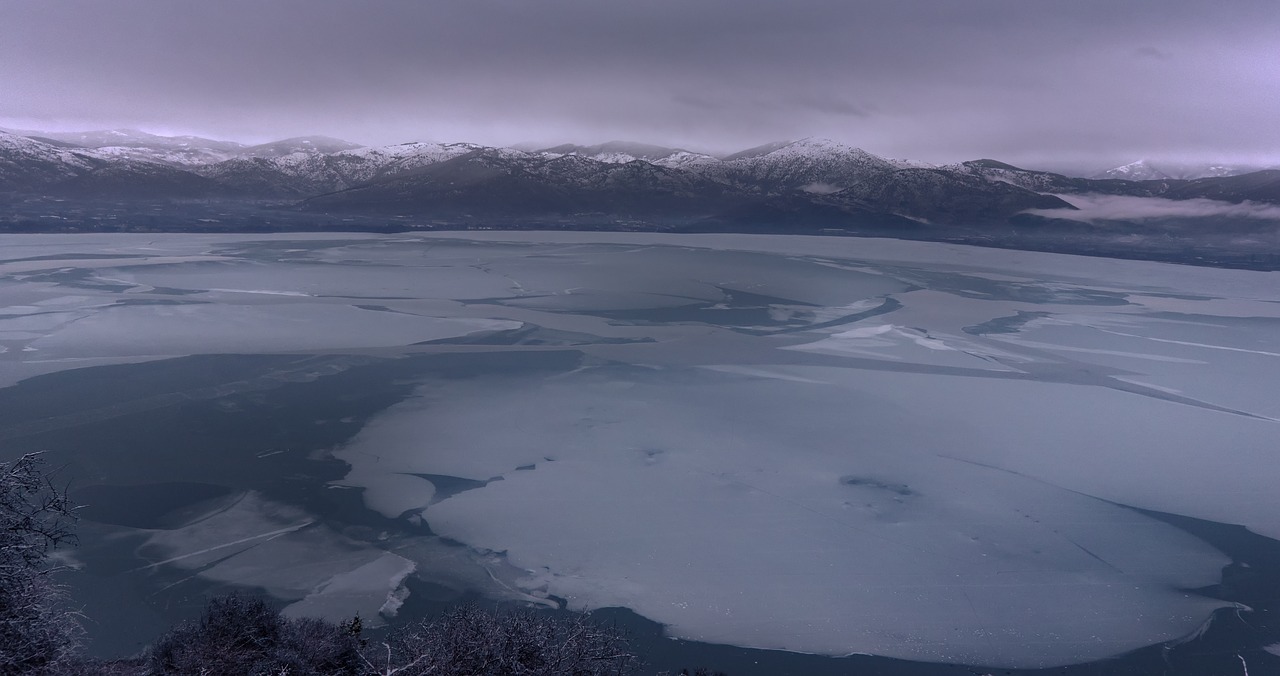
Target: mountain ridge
[(1149, 170), (304, 167), (807, 185)]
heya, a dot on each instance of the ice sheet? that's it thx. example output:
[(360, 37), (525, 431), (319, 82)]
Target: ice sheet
[(829, 445), (262, 543), (733, 519), (227, 328)]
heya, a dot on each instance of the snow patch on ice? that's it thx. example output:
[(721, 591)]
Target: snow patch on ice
[(373, 589)]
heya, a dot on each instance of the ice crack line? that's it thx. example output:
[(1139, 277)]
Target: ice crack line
[(269, 536), (1191, 344)]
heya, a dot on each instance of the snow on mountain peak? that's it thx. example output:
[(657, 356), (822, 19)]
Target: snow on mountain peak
[(1141, 170), (622, 152), (1146, 170), (25, 160), (809, 148), (814, 143)]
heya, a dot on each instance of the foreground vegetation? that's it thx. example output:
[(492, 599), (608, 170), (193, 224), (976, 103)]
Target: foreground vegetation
[(238, 635), (36, 630)]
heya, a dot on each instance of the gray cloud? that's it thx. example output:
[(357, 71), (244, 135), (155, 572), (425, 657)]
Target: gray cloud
[(1072, 83), (1093, 208), (833, 105), (1149, 52)]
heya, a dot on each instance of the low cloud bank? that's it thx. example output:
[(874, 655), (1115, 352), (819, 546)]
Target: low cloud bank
[(1094, 207)]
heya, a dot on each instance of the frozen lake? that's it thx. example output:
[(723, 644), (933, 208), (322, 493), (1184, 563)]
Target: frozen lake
[(821, 445)]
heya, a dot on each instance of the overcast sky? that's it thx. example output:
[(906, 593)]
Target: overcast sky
[(1055, 84)]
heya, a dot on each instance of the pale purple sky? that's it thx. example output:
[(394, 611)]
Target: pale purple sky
[(1076, 83)]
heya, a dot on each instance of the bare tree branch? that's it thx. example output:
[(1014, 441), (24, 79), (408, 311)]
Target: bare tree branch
[(37, 630)]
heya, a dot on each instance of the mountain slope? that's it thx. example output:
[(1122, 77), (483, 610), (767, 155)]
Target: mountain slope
[(30, 164), (613, 151), (184, 151), (138, 180), (299, 144), (1049, 182), (1146, 170), (305, 174), (138, 145), (941, 197), (808, 185), (510, 185), (506, 186), (813, 165), (1259, 186)]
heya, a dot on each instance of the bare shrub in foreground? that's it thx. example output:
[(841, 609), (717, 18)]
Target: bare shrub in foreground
[(245, 636), (468, 640), (36, 629)]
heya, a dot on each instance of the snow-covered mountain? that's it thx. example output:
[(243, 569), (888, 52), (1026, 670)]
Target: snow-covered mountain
[(808, 181), (817, 166), (306, 145), (1257, 186), (405, 156), (182, 151), (938, 196), (139, 145), (808, 184), (621, 152), (132, 138), (1147, 170), (1141, 170), (1051, 183), (28, 162), (613, 152), (504, 185), (304, 174)]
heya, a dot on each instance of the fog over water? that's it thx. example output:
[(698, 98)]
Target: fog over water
[(822, 445)]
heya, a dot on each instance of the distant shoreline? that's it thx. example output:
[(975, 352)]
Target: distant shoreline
[(1157, 250)]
